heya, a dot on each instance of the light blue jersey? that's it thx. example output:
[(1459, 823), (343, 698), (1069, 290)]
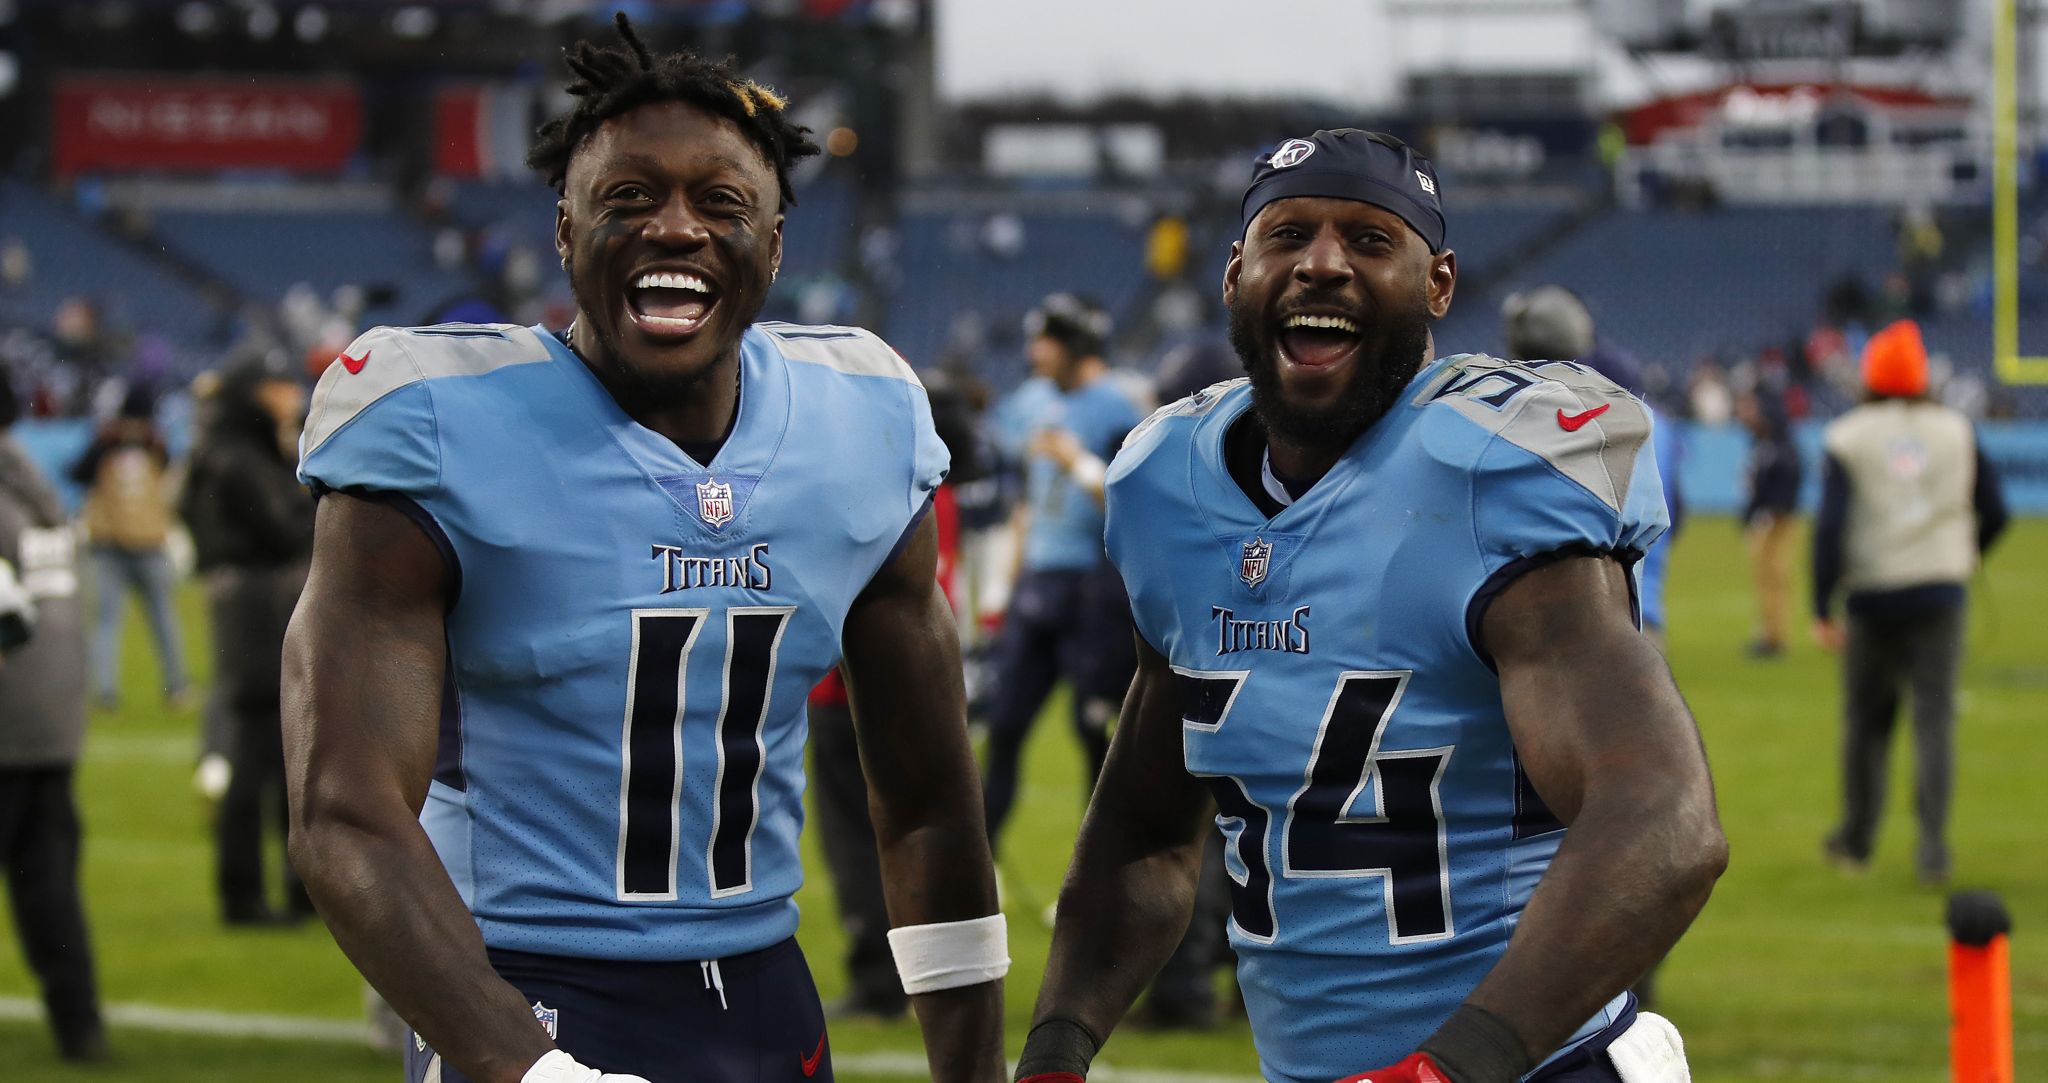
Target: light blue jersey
[(1066, 522), (621, 769), (1380, 832)]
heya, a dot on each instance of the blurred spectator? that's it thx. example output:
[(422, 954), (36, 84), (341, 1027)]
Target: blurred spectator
[(1190, 368), (1550, 322), (1919, 245), (42, 727), (252, 525), (17, 266), (1909, 506), (1770, 512), (1708, 398), (1002, 235), (1166, 248), (127, 520)]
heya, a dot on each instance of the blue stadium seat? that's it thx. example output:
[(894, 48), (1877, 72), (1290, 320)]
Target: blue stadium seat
[(73, 257)]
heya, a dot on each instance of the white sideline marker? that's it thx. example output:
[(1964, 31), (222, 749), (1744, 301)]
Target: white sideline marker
[(304, 1029)]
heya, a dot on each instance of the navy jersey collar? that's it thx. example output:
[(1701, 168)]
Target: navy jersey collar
[(761, 420)]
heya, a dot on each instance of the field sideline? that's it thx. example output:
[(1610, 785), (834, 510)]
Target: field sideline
[(1795, 972)]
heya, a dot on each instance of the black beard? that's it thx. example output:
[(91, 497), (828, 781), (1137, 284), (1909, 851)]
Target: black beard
[(1377, 381)]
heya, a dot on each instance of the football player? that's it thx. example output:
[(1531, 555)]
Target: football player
[(545, 688), (1066, 610), (1388, 638)]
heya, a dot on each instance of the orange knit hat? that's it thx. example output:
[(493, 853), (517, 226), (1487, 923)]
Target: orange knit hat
[(1895, 361)]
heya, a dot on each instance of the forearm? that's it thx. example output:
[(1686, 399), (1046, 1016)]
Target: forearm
[(1124, 908), (903, 676), (935, 870), (396, 915), (1830, 527), (1628, 880)]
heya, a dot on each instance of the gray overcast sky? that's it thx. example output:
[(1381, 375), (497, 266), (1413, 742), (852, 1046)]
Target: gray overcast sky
[(1084, 49)]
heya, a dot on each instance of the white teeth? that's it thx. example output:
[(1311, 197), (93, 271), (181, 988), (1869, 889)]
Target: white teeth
[(671, 282), (1326, 323)]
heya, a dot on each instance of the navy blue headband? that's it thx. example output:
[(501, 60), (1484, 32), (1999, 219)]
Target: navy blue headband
[(1346, 163)]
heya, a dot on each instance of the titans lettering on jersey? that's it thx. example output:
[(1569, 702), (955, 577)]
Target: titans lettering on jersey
[(681, 571), (634, 632), (1380, 834)]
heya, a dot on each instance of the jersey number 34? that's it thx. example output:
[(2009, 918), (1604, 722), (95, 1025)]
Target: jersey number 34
[(1332, 826)]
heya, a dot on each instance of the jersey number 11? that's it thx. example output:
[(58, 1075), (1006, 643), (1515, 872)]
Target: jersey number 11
[(658, 703)]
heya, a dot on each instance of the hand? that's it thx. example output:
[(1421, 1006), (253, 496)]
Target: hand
[(1827, 632), (1415, 1068), (1059, 445), (558, 1067)]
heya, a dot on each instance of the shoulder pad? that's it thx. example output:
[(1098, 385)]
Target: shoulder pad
[(384, 359), (1195, 405), (1575, 419), (853, 350)]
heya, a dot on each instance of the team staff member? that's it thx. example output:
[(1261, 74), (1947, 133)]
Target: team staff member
[(1388, 639), (1909, 505), (42, 729), (1066, 617), (545, 689)]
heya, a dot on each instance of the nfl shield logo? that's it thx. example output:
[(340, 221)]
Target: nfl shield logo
[(1258, 556), (550, 1019), (714, 503)]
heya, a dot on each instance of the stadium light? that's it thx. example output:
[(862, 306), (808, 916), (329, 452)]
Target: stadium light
[(310, 24), (263, 22), (197, 19), (414, 22)]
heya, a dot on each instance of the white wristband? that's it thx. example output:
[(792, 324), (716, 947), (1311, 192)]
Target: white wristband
[(1089, 471), (950, 954)]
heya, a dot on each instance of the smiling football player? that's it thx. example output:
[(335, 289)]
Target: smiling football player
[(1388, 644), (545, 688)]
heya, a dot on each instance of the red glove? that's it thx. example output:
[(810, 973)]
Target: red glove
[(1414, 1068), (1053, 1077)]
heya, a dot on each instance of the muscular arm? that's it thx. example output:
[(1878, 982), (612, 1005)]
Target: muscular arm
[(1608, 742), (363, 666), (1132, 883), (903, 676)]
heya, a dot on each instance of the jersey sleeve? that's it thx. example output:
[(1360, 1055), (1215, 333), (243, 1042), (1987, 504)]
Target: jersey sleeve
[(1569, 468), (371, 426), (930, 461)]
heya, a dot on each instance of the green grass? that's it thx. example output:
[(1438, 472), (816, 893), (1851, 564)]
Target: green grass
[(1795, 971)]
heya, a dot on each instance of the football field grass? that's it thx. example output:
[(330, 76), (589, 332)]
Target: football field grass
[(1796, 971)]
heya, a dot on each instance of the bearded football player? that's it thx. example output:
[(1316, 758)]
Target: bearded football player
[(1389, 648)]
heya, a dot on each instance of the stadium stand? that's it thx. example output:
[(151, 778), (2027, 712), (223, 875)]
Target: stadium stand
[(262, 254), (74, 257)]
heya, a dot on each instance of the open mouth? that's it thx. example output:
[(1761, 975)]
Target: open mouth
[(1317, 342), (670, 304)]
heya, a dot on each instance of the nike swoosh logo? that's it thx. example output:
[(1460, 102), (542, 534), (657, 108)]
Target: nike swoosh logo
[(355, 364), (810, 1063), (1567, 422)]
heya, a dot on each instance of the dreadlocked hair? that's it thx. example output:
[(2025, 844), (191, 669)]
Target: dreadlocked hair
[(614, 79)]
